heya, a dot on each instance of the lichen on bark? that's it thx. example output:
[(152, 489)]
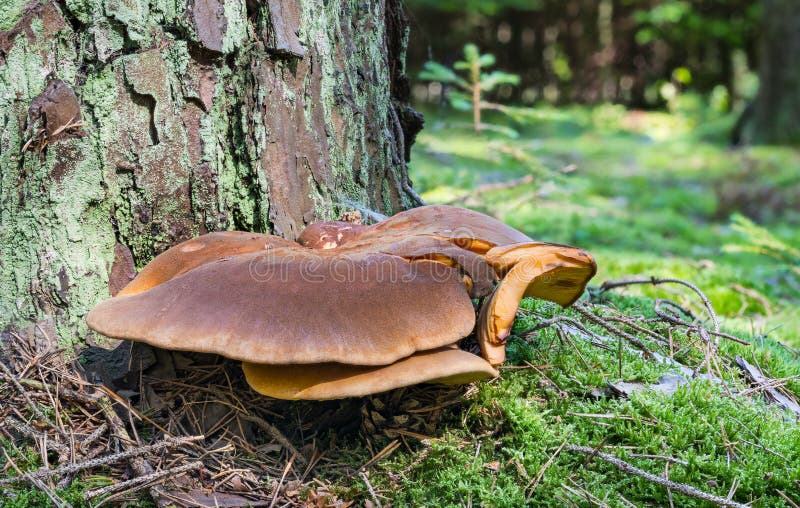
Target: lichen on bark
[(194, 117)]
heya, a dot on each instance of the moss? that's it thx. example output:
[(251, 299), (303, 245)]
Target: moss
[(133, 15), (349, 108), (226, 150), (56, 221), (513, 425), (236, 30), (83, 10), (10, 13), (27, 459), (654, 201), (21, 80)]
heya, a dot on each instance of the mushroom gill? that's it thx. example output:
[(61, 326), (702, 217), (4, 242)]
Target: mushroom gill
[(447, 365)]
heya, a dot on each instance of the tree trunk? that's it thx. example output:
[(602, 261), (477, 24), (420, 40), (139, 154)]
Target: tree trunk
[(776, 110), (130, 126)]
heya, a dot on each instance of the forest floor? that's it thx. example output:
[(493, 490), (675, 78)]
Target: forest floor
[(630, 381)]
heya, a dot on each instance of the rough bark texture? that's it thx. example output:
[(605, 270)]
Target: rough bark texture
[(128, 126), (776, 110)]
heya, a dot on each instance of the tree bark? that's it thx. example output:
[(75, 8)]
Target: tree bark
[(130, 126), (775, 114)]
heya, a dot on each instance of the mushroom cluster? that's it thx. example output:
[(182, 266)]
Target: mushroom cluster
[(347, 310)]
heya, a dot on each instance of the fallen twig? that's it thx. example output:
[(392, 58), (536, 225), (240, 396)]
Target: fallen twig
[(140, 466), (370, 489), (665, 458), (535, 482), (767, 385), (40, 485), (277, 435), (280, 483), (672, 485), (89, 464), (613, 329), (11, 377), (611, 284), (149, 479)]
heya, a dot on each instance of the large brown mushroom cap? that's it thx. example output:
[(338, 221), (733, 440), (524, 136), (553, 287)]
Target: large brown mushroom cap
[(198, 251), (285, 306), (335, 380)]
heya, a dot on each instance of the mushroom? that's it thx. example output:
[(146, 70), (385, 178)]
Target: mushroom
[(351, 309), (295, 306), (467, 229), (199, 251), (328, 235), (552, 272), (480, 274), (447, 365)]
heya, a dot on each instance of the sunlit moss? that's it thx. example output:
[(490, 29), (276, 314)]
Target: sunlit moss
[(645, 202)]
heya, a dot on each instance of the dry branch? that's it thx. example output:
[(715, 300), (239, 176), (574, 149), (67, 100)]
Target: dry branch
[(108, 459), (669, 484), (142, 481), (608, 285)]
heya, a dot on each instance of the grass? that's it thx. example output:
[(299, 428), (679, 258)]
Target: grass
[(646, 193)]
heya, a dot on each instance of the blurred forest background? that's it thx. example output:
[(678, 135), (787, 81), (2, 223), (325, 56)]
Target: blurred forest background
[(662, 135)]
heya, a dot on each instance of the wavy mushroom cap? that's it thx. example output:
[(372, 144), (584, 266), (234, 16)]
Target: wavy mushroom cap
[(198, 251), (504, 257), (292, 305), (466, 228), (559, 276), (335, 380)]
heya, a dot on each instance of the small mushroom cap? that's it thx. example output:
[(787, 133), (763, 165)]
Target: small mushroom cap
[(198, 251), (329, 235), (446, 365), (298, 306), (554, 276)]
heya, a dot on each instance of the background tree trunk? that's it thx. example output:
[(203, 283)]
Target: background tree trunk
[(130, 126), (776, 110)]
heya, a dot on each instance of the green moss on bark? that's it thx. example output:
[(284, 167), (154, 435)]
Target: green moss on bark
[(193, 122)]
